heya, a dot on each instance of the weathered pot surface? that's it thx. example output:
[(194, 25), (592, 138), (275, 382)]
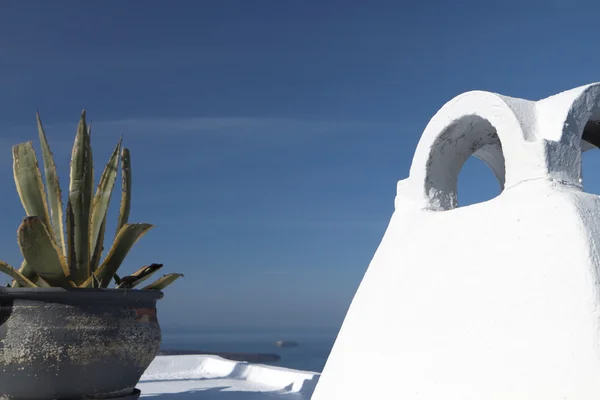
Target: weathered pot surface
[(75, 343)]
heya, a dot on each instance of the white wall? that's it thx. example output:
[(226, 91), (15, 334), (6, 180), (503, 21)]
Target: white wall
[(498, 300)]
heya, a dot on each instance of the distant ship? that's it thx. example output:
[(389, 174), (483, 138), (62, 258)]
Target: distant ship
[(285, 343)]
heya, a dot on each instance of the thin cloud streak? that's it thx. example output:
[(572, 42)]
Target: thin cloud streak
[(243, 128), (215, 138), (258, 127)]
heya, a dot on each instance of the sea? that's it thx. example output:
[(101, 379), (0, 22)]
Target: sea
[(309, 355)]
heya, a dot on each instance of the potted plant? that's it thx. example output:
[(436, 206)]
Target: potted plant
[(63, 333)]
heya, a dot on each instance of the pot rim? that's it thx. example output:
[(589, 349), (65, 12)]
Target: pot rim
[(82, 294)]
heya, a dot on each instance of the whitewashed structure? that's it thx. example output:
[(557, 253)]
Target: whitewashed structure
[(497, 300)]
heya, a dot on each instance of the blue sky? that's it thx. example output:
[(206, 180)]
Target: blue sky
[(267, 137)]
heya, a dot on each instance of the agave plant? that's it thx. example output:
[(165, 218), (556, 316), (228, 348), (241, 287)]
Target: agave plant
[(71, 257)]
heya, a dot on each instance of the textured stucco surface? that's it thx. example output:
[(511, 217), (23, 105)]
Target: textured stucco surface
[(498, 300), (74, 346)]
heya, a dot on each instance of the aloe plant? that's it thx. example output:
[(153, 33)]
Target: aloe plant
[(69, 254)]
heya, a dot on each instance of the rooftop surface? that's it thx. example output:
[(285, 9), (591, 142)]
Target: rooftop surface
[(191, 377)]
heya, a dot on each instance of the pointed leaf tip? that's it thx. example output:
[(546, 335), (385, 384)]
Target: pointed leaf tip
[(163, 282), (54, 194), (80, 196), (28, 181), (100, 205)]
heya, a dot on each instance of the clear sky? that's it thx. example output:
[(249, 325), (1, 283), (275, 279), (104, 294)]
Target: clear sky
[(267, 136)]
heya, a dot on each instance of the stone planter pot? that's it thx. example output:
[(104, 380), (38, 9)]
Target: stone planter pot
[(75, 343)]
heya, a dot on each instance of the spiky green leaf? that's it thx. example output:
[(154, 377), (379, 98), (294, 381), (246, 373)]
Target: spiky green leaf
[(30, 274), (125, 189), (28, 180), (26, 271), (139, 276), (53, 188), (91, 164), (101, 203), (163, 282), (41, 253), (71, 258), (98, 248), (80, 196), (16, 275), (126, 238)]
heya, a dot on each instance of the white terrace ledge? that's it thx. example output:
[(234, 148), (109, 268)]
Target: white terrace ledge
[(195, 377)]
